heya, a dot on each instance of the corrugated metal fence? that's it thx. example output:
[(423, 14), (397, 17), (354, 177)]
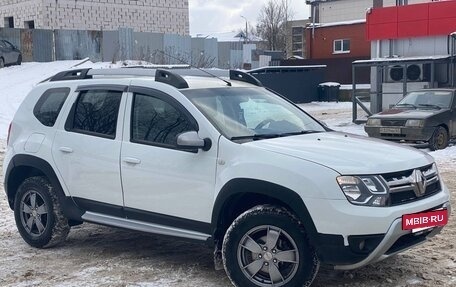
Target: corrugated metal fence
[(124, 44)]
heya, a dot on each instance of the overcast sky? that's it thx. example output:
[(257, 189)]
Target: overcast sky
[(219, 16)]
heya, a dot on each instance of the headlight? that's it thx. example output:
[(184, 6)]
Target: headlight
[(415, 123), (374, 122), (365, 190)]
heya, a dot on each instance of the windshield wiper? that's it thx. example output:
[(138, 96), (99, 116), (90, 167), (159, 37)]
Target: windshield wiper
[(271, 136), (299, 133), (406, 105), (430, 106), (256, 137)]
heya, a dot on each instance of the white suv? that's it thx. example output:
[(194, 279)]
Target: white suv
[(224, 161)]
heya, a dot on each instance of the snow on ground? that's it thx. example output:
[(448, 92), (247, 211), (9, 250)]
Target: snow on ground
[(101, 256)]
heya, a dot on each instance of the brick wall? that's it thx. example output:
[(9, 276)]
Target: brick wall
[(161, 16), (322, 45)]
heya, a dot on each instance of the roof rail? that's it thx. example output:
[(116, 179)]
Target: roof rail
[(78, 74), (173, 78), (244, 77), (123, 72), (170, 78)]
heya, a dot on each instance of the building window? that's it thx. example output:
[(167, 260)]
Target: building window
[(341, 46), (9, 22), (29, 24), (297, 43)]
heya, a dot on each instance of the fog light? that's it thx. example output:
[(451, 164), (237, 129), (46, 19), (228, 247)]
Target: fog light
[(362, 244)]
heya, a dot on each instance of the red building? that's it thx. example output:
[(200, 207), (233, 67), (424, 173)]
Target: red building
[(338, 40)]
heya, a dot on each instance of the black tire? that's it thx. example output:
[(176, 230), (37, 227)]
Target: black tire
[(301, 265), (439, 139), (38, 214), (19, 60), (2, 63)]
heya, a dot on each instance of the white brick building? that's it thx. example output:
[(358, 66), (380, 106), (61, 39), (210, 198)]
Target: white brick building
[(331, 11), (161, 16)]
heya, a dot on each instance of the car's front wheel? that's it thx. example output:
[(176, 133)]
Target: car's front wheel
[(19, 60), (266, 246), (38, 215), (439, 139)]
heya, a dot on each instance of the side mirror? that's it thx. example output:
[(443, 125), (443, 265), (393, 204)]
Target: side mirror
[(191, 140)]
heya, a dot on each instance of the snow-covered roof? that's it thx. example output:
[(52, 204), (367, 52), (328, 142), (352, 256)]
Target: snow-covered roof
[(232, 36), (342, 23), (330, 84), (403, 59), (287, 68)]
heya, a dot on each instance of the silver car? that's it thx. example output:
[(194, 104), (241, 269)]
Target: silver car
[(9, 54)]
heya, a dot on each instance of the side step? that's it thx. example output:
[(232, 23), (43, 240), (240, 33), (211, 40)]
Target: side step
[(143, 226)]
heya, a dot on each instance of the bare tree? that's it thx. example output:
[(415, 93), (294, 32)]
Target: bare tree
[(248, 35), (272, 24)]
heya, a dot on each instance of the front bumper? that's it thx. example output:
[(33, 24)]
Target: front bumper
[(375, 247), (406, 133)]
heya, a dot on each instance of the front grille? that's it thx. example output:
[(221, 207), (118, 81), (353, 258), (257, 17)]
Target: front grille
[(393, 135), (393, 123), (404, 187)]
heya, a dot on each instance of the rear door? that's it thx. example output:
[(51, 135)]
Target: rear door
[(86, 151)]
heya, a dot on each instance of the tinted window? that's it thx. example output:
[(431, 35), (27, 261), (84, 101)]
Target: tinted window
[(48, 107), (156, 121), (96, 112)]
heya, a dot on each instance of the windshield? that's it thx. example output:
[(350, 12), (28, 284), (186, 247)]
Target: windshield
[(427, 99), (251, 113)]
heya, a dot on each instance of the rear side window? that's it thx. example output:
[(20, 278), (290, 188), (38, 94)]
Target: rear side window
[(96, 113), (48, 107)]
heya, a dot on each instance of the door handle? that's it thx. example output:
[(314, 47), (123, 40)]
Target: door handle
[(66, 149), (132, 160)]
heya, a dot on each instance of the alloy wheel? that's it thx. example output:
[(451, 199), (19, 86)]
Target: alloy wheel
[(268, 256), (34, 213)]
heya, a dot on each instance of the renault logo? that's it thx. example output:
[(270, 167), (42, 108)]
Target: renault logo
[(419, 183)]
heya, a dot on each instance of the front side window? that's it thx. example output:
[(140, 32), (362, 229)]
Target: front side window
[(96, 113), (48, 107), (341, 46), (157, 122), (251, 113)]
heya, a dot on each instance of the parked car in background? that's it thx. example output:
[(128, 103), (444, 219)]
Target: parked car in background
[(9, 54), (425, 117)]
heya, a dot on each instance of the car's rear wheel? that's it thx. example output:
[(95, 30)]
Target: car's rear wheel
[(38, 215), (266, 246), (439, 139)]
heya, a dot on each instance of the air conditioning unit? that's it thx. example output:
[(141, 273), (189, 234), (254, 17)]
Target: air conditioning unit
[(414, 73), (394, 74)]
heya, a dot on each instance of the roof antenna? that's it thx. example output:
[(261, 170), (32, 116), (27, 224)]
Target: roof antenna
[(199, 69)]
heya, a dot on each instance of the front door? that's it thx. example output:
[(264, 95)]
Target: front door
[(163, 183)]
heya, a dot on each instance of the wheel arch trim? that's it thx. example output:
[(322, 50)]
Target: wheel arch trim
[(70, 208), (243, 186)]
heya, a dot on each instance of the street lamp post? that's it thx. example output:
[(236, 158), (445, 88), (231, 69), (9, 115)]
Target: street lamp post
[(246, 29)]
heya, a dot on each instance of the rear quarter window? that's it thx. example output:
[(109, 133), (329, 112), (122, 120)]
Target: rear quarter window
[(48, 107)]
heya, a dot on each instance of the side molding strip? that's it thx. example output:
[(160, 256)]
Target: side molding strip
[(142, 226)]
